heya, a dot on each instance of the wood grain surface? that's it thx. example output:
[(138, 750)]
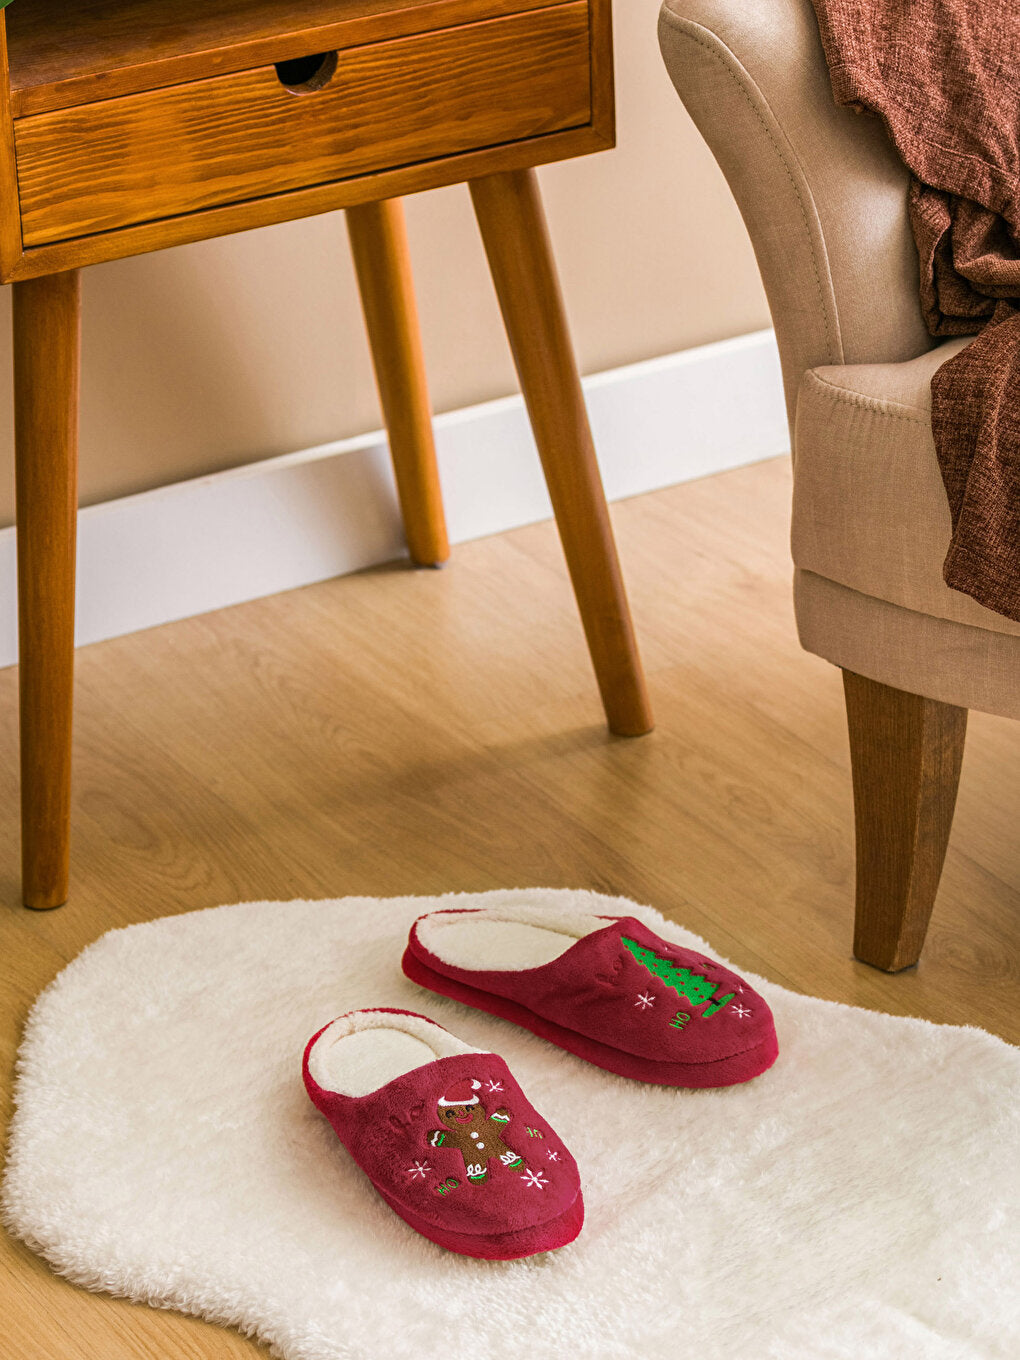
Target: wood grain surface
[(603, 88), (10, 210), (320, 198), (172, 151), (906, 752), (382, 262), (47, 365), (66, 54), (408, 731), (516, 239)]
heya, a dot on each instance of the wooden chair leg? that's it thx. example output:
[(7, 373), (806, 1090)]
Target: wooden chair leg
[(46, 365), (512, 224), (383, 265), (906, 753)]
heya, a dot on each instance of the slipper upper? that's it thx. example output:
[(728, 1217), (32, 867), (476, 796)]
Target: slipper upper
[(457, 1143), (626, 987)]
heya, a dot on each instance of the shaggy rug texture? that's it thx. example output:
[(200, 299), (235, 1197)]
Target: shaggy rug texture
[(858, 1201)]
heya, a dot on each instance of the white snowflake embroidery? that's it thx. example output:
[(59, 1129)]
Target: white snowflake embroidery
[(553, 1156), (645, 1000), (742, 1011), (495, 1085), (418, 1170), (536, 1179)]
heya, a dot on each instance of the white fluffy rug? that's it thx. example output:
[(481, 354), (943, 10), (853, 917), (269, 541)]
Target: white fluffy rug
[(859, 1200)]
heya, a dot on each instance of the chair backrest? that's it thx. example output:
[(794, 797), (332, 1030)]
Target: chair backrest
[(821, 189)]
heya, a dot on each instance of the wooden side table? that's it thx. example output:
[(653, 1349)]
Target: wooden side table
[(131, 125)]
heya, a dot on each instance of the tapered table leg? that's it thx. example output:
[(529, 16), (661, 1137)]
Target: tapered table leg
[(46, 367), (382, 262), (512, 224)]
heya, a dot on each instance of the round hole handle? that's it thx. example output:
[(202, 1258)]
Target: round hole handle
[(302, 75)]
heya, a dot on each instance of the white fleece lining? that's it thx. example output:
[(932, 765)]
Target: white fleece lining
[(858, 1201), (510, 938), (364, 1050)]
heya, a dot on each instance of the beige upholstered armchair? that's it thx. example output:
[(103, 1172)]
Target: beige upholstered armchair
[(823, 195)]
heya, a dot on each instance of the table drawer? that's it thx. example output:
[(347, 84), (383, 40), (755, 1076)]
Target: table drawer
[(159, 154)]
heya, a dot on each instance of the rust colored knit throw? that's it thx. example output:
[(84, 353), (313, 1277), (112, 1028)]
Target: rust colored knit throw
[(944, 75)]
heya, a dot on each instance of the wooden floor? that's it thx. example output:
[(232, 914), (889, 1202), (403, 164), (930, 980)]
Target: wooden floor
[(424, 731)]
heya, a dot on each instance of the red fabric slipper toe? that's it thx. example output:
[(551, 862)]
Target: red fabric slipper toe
[(445, 1135), (605, 988)]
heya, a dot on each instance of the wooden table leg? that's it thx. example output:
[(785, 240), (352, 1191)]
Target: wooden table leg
[(46, 366), (512, 223), (383, 265)]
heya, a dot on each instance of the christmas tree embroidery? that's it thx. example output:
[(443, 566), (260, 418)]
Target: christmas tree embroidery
[(694, 988)]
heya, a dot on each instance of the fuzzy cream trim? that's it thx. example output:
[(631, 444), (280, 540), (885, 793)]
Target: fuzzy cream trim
[(439, 1041), (508, 936)]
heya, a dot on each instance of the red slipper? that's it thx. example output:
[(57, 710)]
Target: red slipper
[(445, 1135), (603, 987)]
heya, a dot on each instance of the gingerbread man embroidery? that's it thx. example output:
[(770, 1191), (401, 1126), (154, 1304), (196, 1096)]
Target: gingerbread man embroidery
[(477, 1136)]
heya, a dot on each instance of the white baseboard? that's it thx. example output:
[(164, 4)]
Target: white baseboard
[(284, 522)]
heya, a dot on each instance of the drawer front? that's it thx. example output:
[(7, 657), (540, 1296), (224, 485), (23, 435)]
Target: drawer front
[(155, 155)]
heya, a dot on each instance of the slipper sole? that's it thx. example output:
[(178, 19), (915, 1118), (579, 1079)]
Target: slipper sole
[(508, 1246), (729, 1071)]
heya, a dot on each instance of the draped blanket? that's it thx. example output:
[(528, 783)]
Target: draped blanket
[(944, 75)]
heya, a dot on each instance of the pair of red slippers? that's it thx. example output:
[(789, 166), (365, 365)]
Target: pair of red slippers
[(443, 1130)]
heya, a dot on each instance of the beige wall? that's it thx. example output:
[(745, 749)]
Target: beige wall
[(212, 355)]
